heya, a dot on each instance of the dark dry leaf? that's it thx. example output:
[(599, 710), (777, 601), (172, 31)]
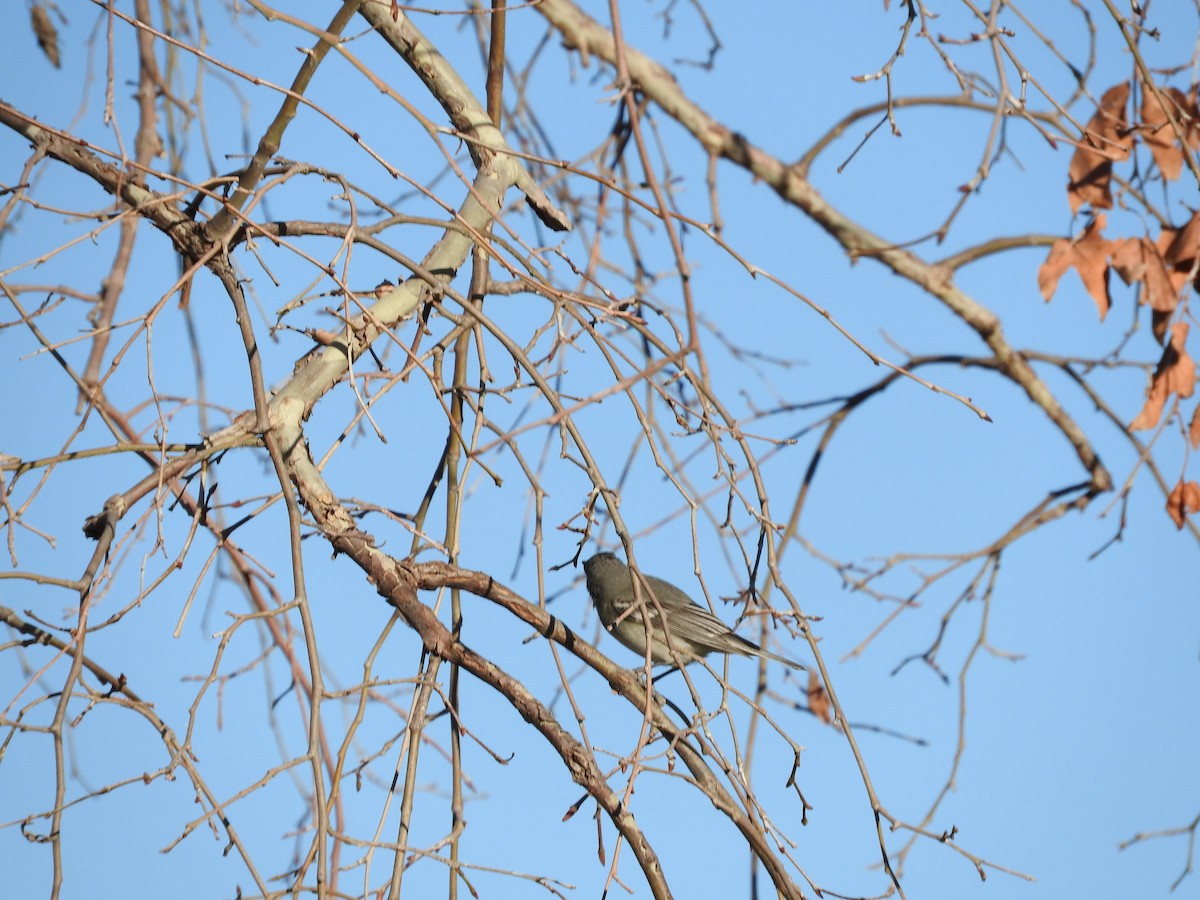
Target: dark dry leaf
[(46, 33), (1184, 247), (818, 699), (1185, 498), (1159, 134), (1176, 374)]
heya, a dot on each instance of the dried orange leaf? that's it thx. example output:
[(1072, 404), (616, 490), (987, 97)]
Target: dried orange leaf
[(1176, 374), (1110, 122), (1088, 255), (1151, 410), (1129, 259), (1058, 260), (1194, 429), (1183, 499), (1106, 138), (1159, 291)]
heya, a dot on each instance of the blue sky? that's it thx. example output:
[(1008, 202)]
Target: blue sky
[(1080, 731)]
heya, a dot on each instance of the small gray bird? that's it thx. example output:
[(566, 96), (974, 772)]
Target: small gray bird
[(694, 631)]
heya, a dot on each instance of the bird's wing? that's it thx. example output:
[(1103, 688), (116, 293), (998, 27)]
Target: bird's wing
[(690, 622)]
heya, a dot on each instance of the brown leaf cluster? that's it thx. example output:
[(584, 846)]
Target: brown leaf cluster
[(1163, 266)]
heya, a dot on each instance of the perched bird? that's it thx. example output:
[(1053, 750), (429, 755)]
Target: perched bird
[(694, 631)]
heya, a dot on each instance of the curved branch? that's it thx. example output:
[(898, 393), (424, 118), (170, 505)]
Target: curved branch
[(430, 576), (398, 584)]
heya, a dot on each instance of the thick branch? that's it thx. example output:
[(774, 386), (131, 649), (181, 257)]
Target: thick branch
[(485, 142), (159, 209)]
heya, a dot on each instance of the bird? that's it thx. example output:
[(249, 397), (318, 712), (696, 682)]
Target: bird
[(691, 631)]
